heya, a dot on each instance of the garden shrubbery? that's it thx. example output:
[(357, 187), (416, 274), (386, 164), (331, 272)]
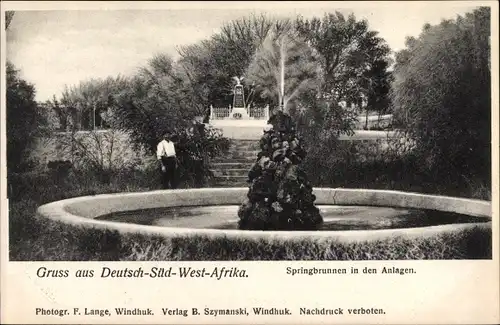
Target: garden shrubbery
[(441, 99), (374, 164), (25, 120)]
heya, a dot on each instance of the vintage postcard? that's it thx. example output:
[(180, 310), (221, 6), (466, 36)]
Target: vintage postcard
[(272, 162)]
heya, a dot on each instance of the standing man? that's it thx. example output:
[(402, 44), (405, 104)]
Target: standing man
[(165, 153)]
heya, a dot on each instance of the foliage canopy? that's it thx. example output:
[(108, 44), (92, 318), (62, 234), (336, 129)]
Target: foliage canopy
[(441, 95), (24, 119)]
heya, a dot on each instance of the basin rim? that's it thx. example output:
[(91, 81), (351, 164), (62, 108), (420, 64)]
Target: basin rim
[(81, 211)]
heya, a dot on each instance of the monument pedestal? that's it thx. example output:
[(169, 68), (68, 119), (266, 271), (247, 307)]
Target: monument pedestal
[(239, 113)]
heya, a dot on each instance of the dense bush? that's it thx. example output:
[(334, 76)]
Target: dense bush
[(103, 153), (381, 164), (442, 100)]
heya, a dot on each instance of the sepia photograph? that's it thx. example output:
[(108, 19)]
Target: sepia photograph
[(249, 133)]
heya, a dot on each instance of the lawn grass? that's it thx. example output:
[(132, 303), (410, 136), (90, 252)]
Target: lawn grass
[(33, 238)]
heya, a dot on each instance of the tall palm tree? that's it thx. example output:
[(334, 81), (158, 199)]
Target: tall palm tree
[(283, 67)]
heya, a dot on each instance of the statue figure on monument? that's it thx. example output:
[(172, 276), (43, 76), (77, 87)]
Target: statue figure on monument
[(238, 80)]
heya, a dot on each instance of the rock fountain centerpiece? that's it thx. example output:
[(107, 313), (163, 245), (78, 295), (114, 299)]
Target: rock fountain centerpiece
[(280, 196)]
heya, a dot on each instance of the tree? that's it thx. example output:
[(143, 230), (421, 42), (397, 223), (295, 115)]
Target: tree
[(86, 102), (157, 101), (24, 120), (351, 55), (441, 96), (211, 64), (153, 104), (379, 87), (61, 114), (9, 15)]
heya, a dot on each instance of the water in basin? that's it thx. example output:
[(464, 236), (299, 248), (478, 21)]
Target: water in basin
[(335, 217)]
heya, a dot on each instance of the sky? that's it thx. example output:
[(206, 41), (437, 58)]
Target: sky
[(63, 47)]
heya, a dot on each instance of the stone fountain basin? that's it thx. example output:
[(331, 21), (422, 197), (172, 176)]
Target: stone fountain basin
[(83, 211)]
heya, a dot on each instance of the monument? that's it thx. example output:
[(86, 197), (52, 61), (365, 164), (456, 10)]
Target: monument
[(239, 109), (239, 121)]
